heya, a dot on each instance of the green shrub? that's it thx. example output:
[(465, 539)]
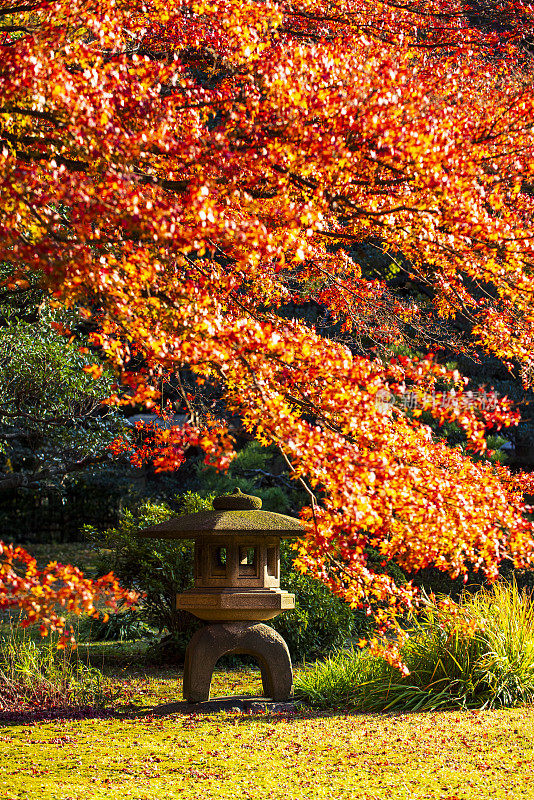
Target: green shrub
[(37, 674), (160, 568), (123, 626), (479, 653), (257, 470), (320, 621)]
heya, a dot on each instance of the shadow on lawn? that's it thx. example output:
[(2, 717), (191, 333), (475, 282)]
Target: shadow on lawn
[(248, 706), (30, 716)]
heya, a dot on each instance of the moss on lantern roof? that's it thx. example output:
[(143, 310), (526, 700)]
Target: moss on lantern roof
[(234, 513), (186, 526)]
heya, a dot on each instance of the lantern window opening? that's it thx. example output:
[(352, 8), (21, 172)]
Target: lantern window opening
[(218, 560), (248, 561)]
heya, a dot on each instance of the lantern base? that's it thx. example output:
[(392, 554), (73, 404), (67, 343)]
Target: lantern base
[(251, 638)]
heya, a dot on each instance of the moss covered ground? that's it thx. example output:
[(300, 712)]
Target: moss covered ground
[(141, 752)]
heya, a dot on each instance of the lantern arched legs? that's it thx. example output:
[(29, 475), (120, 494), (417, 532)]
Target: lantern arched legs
[(250, 638)]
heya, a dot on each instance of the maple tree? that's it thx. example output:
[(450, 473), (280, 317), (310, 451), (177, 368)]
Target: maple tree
[(44, 596), (180, 170)]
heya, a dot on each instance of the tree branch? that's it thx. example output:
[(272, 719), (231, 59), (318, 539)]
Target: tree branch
[(17, 481)]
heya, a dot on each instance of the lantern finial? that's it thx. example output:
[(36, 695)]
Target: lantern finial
[(237, 501)]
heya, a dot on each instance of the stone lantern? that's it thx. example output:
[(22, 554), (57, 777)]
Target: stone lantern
[(236, 588)]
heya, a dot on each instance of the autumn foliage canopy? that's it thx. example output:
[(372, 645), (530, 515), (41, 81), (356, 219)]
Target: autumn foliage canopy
[(181, 170)]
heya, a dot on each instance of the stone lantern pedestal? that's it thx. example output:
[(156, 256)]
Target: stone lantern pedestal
[(236, 589)]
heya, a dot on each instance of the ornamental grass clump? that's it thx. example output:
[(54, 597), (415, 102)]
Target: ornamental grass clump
[(475, 654), (506, 636), (36, 674)]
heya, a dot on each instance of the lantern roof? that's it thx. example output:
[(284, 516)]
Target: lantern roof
[(234, 513)]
